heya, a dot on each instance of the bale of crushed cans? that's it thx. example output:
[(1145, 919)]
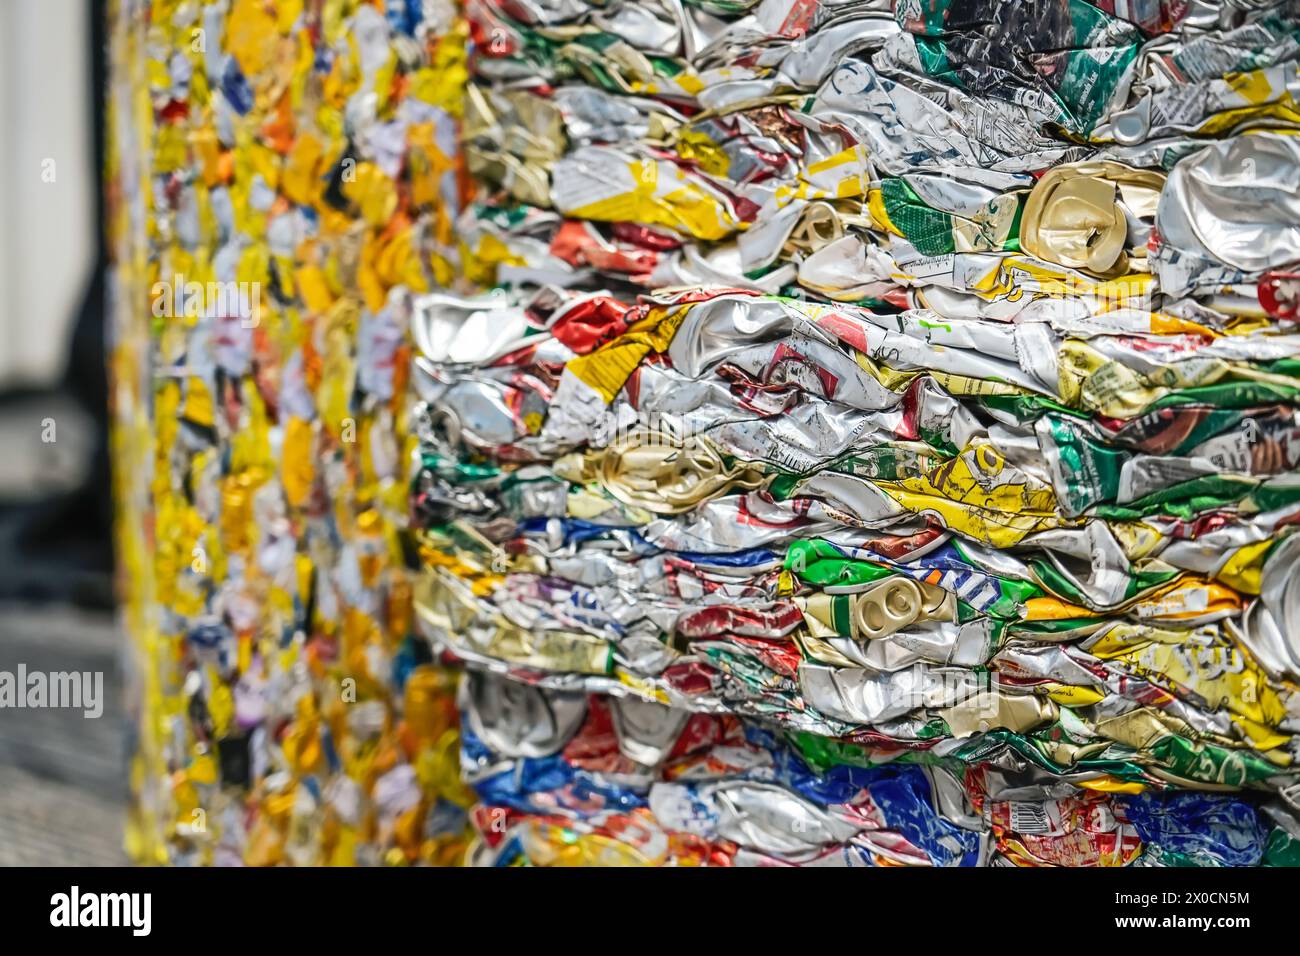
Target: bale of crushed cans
[(821, 433), (879, 444), (284, 176)]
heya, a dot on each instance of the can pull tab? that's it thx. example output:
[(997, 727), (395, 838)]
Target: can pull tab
[(887, 608), (1279, 294)]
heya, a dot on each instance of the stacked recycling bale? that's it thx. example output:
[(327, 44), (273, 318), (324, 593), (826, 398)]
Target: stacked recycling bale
[(879, 442), (283, 176)]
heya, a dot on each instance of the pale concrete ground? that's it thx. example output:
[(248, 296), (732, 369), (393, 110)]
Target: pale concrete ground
[(63, 777)]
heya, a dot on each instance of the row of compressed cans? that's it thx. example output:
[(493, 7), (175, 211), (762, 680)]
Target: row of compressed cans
[(875, 441), (855, 433)]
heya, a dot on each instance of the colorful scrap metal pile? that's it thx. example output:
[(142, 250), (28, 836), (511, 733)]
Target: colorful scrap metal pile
[(879, 444), (832, 432), (283, 178)]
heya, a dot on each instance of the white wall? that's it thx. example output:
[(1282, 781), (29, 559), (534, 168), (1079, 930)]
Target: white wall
[(46, 247)]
